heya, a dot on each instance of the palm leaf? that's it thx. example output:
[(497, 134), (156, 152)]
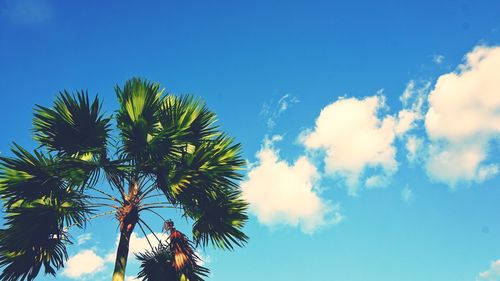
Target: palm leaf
[(212, 165), (28, 177), (39, 202), (175, 260), (203, 182), (219, 218), (35, 234), (157, 264), (184, 122), (138, 116), (188, 118), (74, 125)]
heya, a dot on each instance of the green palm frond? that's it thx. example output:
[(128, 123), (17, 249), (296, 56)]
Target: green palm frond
[(219, 218), (184, 122), (212, 165), (188, 119), (35, 234), (175, 260), (138, 116), (39, 202), (29, 177), (73, 126), (26, 264), (157, 264), (204, 182)]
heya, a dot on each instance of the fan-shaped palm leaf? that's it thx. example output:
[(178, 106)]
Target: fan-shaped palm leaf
[(138, 116), (35, 234), (39, 202), (33, 176), (203, 182), (72, 126), (188, 118), (219, 218), (157, 264), (212, 165), (175, 260)]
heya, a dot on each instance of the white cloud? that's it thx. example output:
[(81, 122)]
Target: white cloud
[(492, 274), (407, 194), (438, 59), (283, 193), (140, 244), (131, 278), (414, 147), (285, 101), (83, 238), (356, 135), (137, 244), (406, 121), (204, 259), (453, 163), (272, 111), (413, 97), (464, 118), (84, 263)]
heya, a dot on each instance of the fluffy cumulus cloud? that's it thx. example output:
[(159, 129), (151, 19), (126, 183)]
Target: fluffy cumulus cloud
[(464, 118), (84, 263), (492, 274), (357, 135), (140, 244), (287, 193)]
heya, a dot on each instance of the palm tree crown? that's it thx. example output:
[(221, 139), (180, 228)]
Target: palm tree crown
[(168, 146)]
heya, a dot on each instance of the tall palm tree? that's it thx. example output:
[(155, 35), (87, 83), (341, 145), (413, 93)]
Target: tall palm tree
[(166, 147)]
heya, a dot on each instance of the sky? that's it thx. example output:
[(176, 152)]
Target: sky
[(371, 128)]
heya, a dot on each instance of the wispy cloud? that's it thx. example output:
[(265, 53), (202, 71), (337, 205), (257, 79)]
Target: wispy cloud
[(438, 59), (83, 238), (273, 110), (407, 194), (415, 149)]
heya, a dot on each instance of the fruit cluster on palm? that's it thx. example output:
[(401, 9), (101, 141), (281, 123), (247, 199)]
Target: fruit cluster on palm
[(167, 147)]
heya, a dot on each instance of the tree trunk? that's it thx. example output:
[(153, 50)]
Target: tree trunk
[(128, 216), (121, 256)]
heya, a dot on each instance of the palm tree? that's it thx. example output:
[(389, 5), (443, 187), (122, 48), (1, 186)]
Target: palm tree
[(166, 147)]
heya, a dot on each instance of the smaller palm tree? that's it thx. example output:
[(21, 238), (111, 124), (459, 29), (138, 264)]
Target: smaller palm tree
[(168, 155), (177, 253)]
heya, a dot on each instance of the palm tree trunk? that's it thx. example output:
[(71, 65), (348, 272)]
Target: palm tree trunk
[(122, 255), (128, 216)]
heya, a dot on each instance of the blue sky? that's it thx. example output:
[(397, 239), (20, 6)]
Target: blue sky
[(370, 127)]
